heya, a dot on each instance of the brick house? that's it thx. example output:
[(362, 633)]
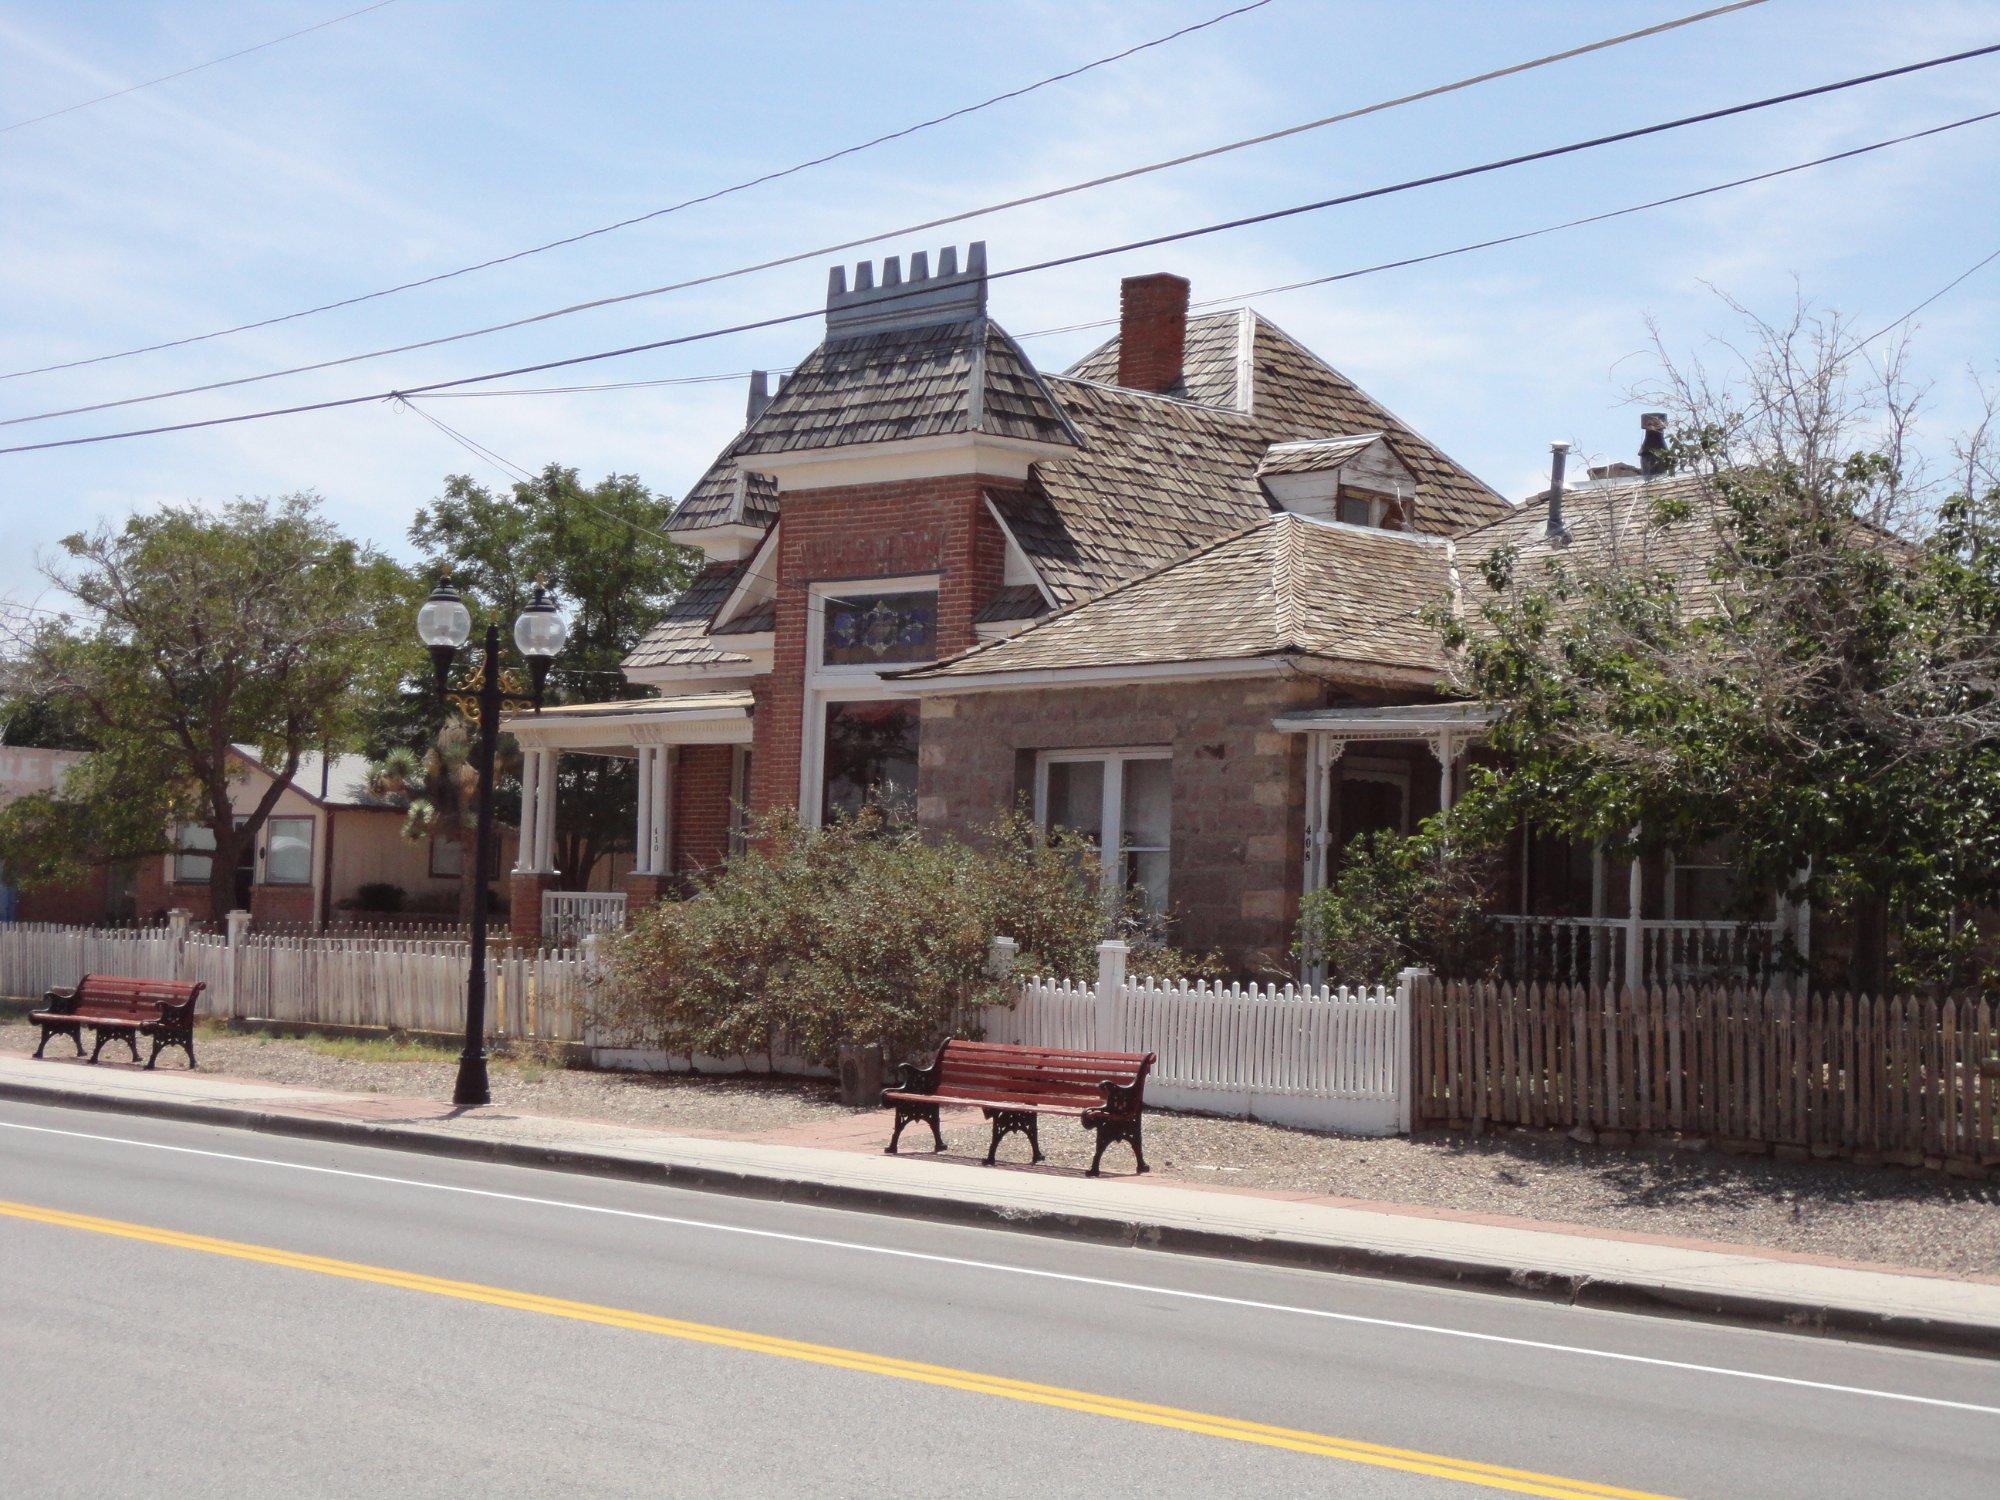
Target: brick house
[(1172, 597)]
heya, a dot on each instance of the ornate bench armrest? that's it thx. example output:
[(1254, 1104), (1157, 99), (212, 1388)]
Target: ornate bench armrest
[(915, 1078), (61, 1000), (1121, 1099)]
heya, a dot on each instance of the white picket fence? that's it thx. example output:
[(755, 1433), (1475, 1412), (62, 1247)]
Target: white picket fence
[(1324, 1057), (408, 984)]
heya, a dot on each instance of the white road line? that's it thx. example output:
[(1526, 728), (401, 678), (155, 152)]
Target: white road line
[(987, 1265)]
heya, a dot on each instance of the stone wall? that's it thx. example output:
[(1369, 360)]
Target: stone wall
[(1238, 790)]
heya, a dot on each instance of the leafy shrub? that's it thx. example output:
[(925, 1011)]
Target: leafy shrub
[(863, 932), (1399, 901), (378, 895)]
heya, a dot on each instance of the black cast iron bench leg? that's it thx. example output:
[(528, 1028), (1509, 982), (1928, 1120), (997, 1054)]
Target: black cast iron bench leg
[(905, 1114), (1009, 1121)]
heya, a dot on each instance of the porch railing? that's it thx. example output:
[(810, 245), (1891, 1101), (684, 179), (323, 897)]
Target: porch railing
[(568, 915), (1593, 950)]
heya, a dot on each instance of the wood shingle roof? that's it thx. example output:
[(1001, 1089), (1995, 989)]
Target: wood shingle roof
[(1283, 586)]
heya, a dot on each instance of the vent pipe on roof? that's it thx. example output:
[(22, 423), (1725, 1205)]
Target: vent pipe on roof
[(1653, 445), (1558, 461), (760, 396)]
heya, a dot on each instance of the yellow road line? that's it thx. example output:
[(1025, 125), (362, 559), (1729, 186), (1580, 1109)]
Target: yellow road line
[(1489, 1476)]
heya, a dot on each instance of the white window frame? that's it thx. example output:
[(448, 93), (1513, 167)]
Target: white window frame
[(825, 685), (174, 876), (264, 853), (1111, 849)]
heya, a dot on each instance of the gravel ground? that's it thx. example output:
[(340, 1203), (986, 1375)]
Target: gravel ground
[(1888, 1215)]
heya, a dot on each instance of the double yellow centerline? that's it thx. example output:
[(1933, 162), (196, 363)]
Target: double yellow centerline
[(1490, 1476)]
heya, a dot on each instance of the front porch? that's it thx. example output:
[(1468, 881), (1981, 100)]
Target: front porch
[(1569, 914), (691, 756)]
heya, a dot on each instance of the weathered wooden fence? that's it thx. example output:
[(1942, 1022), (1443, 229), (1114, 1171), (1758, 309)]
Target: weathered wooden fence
[(401, 983), (1326, 1057), (1901, 1078)]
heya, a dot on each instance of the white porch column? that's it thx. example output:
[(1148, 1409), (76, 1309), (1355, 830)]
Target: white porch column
[(642, 845), (1445, 745), (531, 784), (662, 800), (545, 814)]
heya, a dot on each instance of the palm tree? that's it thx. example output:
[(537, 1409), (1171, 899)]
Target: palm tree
[(437, 790)]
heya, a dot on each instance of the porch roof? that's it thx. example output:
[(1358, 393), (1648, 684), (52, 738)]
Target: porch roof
[(1406, 721), (621, 726)]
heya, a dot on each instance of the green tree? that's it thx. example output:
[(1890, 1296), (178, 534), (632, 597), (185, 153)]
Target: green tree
[(604, 553), (196, 631), (1401, 900), (1820, 697)]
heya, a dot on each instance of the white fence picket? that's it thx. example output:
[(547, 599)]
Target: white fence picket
[(1323, 1057), (395, 982)]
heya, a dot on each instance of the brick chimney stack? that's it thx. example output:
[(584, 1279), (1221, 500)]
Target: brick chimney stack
[(1152, 331)]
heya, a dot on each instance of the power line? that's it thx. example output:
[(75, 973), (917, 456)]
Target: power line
[(1243, 221), (1293, 286), (657, 213), (437, 387), (198, 67), (908, 229), (1529, 234)]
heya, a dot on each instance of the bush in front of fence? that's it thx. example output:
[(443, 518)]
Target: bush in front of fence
[(860, 933), (1405, 901)]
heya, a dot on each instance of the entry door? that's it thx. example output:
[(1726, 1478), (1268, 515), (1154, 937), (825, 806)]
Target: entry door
[(246, 872), (1370, 807)]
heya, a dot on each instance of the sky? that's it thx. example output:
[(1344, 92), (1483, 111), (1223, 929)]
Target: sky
[(429, 134)]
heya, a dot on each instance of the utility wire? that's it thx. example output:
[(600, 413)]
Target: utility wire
[(1529, 234), (437, 387), (1293, 286), (1243, 221), (657, 213), (908, 229), (68, 109)]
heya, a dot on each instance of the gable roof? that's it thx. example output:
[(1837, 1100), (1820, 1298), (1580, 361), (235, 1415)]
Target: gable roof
[(330, 780), (1285, 586)]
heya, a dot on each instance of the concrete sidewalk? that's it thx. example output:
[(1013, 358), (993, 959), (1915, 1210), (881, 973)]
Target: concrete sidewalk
[(1634, 1273)]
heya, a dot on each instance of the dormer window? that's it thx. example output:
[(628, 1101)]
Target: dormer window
[(1357, 481)]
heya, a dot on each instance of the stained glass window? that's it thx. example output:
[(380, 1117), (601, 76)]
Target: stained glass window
[(866, 630)]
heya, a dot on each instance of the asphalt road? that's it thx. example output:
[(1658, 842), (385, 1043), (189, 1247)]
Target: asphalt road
[(250, 1315)]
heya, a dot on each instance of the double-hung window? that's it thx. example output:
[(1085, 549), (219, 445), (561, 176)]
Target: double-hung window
[(288, 850), (1121, 801), (194, 853)]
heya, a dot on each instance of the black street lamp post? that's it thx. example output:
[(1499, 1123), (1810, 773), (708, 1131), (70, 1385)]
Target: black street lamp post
[(444, 624)]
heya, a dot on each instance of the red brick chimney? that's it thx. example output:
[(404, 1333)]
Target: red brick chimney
[(1152, 331)]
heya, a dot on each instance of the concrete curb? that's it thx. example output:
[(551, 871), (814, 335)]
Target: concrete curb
[(1930, 1335)]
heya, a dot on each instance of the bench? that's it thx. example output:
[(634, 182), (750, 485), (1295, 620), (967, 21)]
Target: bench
[(1106, 1091), (162, 1009)]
